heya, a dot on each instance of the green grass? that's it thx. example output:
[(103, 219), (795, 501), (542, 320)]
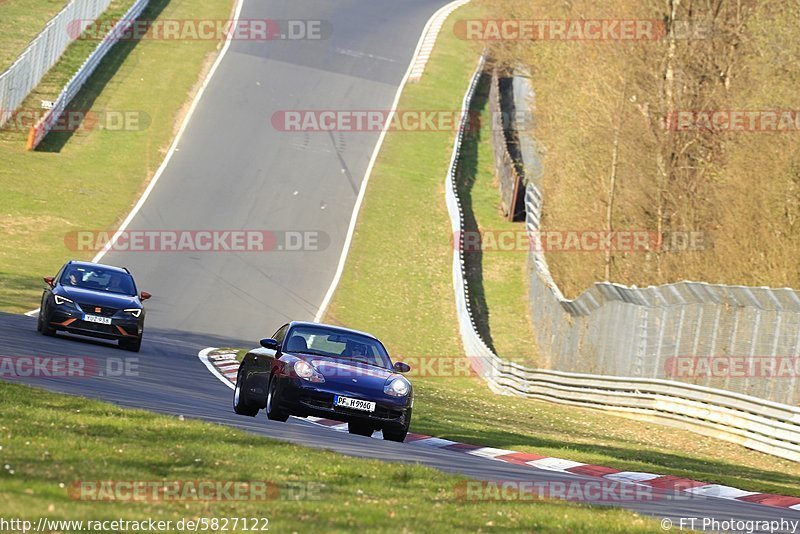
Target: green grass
[(89, 180), (402, 251), (107, 443), (20, 22), (498, 279)]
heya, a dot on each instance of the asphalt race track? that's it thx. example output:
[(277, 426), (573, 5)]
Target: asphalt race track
[(233, 170), (171, 379)]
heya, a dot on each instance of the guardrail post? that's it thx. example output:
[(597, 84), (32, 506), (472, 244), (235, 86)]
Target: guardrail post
[(31, 144)]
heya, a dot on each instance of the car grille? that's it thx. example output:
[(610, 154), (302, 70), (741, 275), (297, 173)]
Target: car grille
[(381, 413), (316, 403), (92, 310), (95, 327)]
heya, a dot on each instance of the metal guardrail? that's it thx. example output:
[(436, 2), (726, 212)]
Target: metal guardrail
[(43, 52), (46, 123), (756, 423)]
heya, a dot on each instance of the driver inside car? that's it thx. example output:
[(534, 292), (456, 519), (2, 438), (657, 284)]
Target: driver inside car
[(357, 351)]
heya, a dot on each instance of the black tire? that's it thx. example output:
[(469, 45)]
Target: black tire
[(360, 429), (241, 404), (398, 434), (42, 327), (274, 413), (132, 346), (393, 434)]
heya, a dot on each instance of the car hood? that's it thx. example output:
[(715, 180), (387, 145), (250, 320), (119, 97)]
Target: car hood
[(336, 371), (99, 298)]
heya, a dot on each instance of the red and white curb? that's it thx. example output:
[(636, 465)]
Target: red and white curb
[(223, 364), (430, 33)]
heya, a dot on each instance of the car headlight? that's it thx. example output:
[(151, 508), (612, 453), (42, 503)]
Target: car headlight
[(136, 312), (397, 387), (63, 300), (306, 371)]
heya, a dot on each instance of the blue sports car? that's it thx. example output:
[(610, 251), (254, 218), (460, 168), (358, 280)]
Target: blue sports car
[(311, 369)]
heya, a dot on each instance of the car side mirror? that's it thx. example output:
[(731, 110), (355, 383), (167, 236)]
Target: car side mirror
[(50, 281), (269, 343), (402, 367), (145, 295)]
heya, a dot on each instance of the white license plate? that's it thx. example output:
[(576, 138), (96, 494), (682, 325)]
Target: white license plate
[(355, 404), (96, 319)]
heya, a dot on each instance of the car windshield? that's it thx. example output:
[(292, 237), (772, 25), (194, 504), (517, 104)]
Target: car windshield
[(337, 344), (98, 279)]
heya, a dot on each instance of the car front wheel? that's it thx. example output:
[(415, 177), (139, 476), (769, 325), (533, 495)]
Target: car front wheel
[(394, 434), (274, 413), (132, 345), (42, 324), (398, 434)]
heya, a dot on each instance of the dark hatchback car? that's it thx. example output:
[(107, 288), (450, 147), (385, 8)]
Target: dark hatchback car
[(312, 369), (95, 300)]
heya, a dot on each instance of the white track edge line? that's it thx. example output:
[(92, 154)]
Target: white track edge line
[(360, 198)]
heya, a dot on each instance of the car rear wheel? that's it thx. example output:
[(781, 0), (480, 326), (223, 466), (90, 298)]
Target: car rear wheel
[(360, 429), (131, 345), (241, 405), (274, 413)]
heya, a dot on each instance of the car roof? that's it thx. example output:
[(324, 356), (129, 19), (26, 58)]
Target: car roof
[(103, 265), (332, 327)]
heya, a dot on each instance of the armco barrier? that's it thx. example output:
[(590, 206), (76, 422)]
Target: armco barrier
[(41, 54), (45, 124), (756, 423)]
